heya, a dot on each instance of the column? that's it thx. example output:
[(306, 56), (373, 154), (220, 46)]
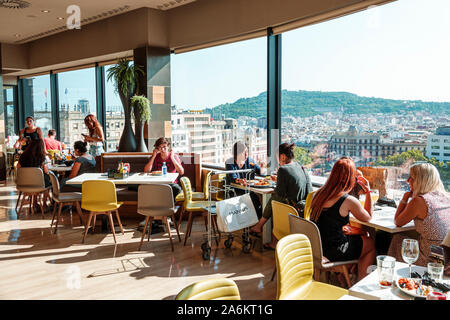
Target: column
[(156, 87), (2, 127)]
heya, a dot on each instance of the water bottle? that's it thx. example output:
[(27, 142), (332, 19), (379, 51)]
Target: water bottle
[(164, 169)]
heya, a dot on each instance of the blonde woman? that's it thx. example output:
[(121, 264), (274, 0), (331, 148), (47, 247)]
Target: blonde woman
[(428, 204)]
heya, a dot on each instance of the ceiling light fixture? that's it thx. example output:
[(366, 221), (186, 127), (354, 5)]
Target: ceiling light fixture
[(14, 4), (45, 11), (60, 18)]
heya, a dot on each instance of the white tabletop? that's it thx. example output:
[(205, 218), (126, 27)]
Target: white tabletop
[(368, 288), (134, 178), (59, 167), (384, 220), (255, 190)]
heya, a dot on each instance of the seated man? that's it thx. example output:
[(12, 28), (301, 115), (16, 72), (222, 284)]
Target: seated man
[(162, 154), (51, 143)]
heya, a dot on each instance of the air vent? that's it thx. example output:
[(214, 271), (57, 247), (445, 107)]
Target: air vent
[(83, 21), (14, 4)]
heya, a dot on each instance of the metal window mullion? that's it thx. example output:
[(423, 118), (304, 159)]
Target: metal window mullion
[(54, 101)]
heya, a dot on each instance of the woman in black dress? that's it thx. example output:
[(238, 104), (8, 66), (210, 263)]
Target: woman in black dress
[(29, 133), (330, 209)]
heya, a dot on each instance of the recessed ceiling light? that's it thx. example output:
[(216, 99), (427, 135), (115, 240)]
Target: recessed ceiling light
[(60, 18), (45, 11), (17, 35)]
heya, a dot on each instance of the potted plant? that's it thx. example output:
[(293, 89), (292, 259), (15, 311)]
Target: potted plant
[(126, 80), (142, 113)]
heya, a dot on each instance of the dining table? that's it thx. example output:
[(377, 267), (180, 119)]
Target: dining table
[(383, 219), (133, 178), (59, 167), (369, 288)]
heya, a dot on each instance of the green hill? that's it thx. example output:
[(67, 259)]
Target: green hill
[(308, 103)]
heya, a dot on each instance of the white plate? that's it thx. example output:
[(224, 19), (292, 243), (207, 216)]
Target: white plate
[(414, 292)]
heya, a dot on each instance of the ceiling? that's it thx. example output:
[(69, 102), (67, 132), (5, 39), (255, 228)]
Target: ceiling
[(21, 25)]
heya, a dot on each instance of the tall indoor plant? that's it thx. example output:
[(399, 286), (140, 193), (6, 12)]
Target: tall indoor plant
[(142, 113), (126, 79)]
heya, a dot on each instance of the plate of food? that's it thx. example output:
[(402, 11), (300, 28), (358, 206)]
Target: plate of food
[(261, 184), (415, 287), (156, 173)]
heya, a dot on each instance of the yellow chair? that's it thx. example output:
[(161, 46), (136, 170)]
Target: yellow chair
[(99, 197), (307, 211), (198, 196), (210, 289), (191, 206), (294, 261), (52, 153), (280, 217)]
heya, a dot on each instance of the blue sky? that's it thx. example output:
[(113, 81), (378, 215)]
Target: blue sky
[(400, 50)]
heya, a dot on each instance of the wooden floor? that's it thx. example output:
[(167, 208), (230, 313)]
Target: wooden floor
[(37, 264)]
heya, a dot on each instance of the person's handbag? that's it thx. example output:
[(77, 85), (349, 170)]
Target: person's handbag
[(236, 213)]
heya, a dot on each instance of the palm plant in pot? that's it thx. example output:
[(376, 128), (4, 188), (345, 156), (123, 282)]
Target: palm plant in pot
[(142, 113), (126, 79)]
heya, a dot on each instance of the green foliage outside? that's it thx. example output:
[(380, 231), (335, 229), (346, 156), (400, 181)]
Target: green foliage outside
[(309, 103), (414, 156), (302, 156)]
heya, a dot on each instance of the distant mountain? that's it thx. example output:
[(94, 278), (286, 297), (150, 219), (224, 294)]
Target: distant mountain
[(308, 103)]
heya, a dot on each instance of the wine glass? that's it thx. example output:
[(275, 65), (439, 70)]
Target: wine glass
[(375, 194), (410, 252)]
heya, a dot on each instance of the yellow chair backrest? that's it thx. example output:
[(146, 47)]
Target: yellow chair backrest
[(98, 191), (307, 212), (280, 215), (187, 190), (210, 289), (53, 152), (206, 185), (294, 263)]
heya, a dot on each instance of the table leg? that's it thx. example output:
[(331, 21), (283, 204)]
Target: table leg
[(267, 228)]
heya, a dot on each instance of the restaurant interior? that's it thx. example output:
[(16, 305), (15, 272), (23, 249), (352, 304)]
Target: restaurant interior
[(125, 235)]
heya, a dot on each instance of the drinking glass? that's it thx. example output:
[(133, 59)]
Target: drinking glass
[(375, 194), (385, 266), (410, 252), (436, 271)]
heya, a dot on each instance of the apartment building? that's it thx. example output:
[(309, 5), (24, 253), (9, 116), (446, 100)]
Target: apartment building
[(438, 144)]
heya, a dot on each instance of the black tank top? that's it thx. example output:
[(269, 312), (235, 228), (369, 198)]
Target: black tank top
[(32, 135), (330, 225)]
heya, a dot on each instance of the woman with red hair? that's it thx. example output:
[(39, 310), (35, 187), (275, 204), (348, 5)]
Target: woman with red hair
[(330, 208)]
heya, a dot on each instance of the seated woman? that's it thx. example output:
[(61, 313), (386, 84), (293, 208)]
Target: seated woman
[(242, 161), (34, 156), (293, 185), (429, 207), (330, 208), (162, 154), (84, 163)]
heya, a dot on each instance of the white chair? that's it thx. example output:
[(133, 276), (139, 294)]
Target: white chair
[(155, 201), (62, 198), (30, 183), (321, 263)]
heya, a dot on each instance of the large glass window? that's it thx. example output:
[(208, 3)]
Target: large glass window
[(37, 93), (372, 86), (10, 114), (77, 99), (218, 98), (115, 116)]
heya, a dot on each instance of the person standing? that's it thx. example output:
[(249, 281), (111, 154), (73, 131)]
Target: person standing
[(96, 137), (29, 133)]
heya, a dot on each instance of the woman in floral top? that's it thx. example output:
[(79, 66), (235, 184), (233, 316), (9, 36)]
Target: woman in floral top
[(429, 207)]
